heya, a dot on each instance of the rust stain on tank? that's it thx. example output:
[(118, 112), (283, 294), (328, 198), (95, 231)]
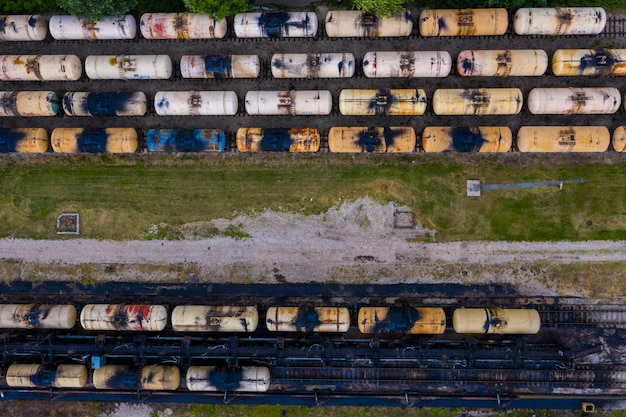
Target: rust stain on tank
[(465, 22), (407, 65), (113, 61), (181, 25), (564, 18), (579, 101), (504, 63)]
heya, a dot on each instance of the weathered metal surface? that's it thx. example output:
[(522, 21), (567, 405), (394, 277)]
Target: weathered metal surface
[(275, 25), (307, 319), (563, 139), (28, 103), (160, 378), (574, 100), (41, 376), (354, 23), (559, 21), (407, 64), (589, 62), (185, 140), (502, 63), (392, 102), (78, 103), (125, 317), (128, 67), (296, 139), (96, 140), (122, 377), (484, 101), (40, 68), (322, 65), (181, 26), (467, 139), (463, 22), (409, 320), (196, 103), (220, 66), (109, 28), (619, 139), (197, 318), (294, 103), (371, 139), (24, 140), (23, 28), (37, 316), (244, 379), (496, 321)]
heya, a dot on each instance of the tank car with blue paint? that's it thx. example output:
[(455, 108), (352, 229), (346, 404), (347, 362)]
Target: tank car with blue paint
[(463, 22), (478, 102), (275, 25), (355, 23), (24, 140), (295, 139), (496, 321), (212, 378), (20, 28), (563, 139), (94, 140), (28, 103), (307, 319), (197, 318), (589, 62), (392, 102), (37, 316), (185, 140), (406, 64), (40, 68), (121, 103), (126, 377), (467, 139), (502, 63), (220, 66), (41, 376), (128, 67), (322, 65), (559, 21), (402, 320), (196, 103), (123, 317), (181, 26), (605, 100), (293, 103), (108, 28), (371, 139)]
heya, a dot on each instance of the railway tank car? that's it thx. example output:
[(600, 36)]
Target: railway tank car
[(21, 28), (109, 28), (392, 102), (619, 139), (124, 317), (121, 103), (40, 376), (354, 23), (28, 103), (24, 140), (463, 22), (483, 101), (212, 378), (196, 103), (149, 377), (128, 67), (496, 321), (185, 140), (589, 62), (371, 139), (502, 63), (181, 26), (407, 320), (563, 139), (40, 68), (37, 316), (406, 64), (94, 140), (275, 25), (574, 100), (467, 139), (559, 21), (198, 318), (220, 66), (293, 103), (323, 65), (295, 139), (307, 319)]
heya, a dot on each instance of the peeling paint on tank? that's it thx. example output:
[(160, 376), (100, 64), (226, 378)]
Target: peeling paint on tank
[(218, 66)]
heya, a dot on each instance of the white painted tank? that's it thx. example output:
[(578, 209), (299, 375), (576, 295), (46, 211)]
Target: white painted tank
[(324, 65), (619, 139), (244, 379), (37, 316), (128, 67), (193, 318), (110, 27), (563, 139), (392, 102), (126, 103), (275, 25), (28, 103), (181, 26), (124, 317), (40, 68), (496, 321), (574, 100), (502, 63), (220, 66), (479, 101), (294, 103), (23, 28), (196, 103), (406, 64), (559, 21), (354, 23)]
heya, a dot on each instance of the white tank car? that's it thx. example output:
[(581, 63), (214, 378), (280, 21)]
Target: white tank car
[(244, 379), (126, 103), (126, 317), (195, 103), (496, 321), (181, 26), (323, 65), (392, 102), (220, 66), (193, 318), (275, 25), (502, 63), (37, 316), (406, 64), (574, 100), (354, 23), (294, 103), (559, 21), (23, 28), (109, 28), (40, 68), (128, 67)]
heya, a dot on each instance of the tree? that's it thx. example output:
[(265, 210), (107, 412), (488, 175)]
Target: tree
[(382, 8), (218, 8), (94, 10)]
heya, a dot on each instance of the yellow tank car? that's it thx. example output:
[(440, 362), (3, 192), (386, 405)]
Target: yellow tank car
[(496, 321), (110, 140), (480, 101), (24, 140), (371, 139), (463, 22), (502, 63), (589, 62), (307, 319), (467, 139), (193, 318), (409, 320), (393, 102), (563, 139), (619, 139), (296, 139), (160, 378)]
